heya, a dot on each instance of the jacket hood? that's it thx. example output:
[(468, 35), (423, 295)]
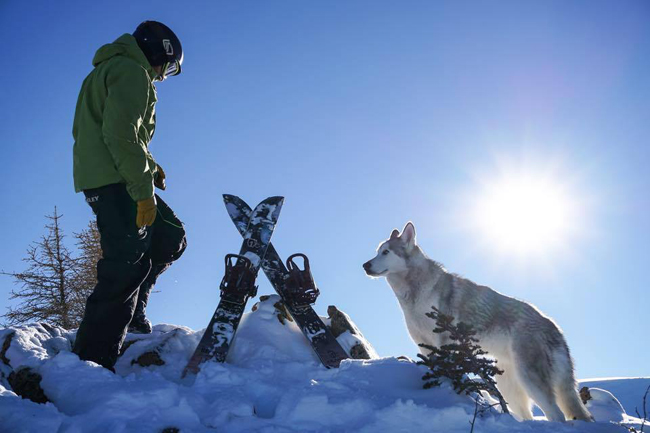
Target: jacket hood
[(125, 45)]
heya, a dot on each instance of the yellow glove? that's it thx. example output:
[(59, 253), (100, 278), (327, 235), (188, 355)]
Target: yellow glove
[(146, 212), (159, 180)]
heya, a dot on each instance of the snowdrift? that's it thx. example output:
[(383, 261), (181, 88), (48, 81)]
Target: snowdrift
[(271, 383)]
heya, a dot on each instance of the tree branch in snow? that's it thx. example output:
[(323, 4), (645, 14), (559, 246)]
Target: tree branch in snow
[(479, 409), (645, 410), (459, 359)]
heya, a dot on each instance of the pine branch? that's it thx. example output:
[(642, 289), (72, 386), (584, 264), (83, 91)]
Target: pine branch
[(459, 359)]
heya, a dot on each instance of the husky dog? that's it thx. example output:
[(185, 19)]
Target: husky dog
[(528, 346)]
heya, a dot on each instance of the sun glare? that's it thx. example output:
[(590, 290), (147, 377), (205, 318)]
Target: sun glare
[(522, 214)]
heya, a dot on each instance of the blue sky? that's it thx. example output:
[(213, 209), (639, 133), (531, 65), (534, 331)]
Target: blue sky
[(366, 115)]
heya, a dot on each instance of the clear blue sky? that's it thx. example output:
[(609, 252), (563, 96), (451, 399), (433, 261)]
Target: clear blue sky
[(365, 115)]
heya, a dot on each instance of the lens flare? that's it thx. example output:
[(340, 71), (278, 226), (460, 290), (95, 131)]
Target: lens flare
[(522, 214)]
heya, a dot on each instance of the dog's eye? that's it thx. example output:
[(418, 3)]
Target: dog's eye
[(386, 252)]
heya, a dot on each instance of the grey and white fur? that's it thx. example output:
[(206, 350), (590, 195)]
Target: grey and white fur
[(528, 346)]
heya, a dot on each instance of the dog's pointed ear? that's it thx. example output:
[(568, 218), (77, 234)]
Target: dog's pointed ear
[(408, 234), (394, 234)]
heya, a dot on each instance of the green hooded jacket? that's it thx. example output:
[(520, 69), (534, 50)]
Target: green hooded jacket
[(115, 121)]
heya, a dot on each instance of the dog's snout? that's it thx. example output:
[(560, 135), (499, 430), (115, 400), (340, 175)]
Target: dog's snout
[(367, 266)]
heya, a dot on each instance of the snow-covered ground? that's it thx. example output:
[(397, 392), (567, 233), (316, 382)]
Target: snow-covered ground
[(271, 383)]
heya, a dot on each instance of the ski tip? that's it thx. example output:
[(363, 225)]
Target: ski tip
[(276, 199), (234, 198), (237, 201)]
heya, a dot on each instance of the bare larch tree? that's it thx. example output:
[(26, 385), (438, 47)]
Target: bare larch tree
[(90, 251), (47, 286)]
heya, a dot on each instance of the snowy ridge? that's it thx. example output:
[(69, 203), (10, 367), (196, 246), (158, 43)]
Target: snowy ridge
[(272, 382)]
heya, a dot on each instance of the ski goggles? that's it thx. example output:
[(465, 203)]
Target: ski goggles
[(170, 69)]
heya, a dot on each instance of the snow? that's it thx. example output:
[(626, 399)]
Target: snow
[(272, 382), (628, 391), (605, 406)]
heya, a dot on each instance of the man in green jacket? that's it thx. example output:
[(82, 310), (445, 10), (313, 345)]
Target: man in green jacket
[(140, 235)]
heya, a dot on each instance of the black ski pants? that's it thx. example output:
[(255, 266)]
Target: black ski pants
[(131, 257)]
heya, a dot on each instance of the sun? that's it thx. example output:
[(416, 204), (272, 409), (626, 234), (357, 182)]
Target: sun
[(524, 214)]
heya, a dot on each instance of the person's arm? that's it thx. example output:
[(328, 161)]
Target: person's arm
[(126, 103)]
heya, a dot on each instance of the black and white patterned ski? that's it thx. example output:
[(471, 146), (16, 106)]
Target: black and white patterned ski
[(238, 285), (295, 286)]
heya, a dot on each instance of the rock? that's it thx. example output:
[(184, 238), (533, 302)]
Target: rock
[(341, 323), (27, 384), (281, 311), (585, 395), (148, 359), (359, 351), (5, 347), (148, 350)]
